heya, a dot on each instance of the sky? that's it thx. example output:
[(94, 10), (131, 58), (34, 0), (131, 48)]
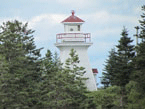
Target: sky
[(104, 19)]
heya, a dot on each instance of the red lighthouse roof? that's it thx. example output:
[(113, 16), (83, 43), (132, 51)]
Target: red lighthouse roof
[(72, 18)]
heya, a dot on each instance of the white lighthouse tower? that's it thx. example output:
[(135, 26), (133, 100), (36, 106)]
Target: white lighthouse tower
[(73, 38)]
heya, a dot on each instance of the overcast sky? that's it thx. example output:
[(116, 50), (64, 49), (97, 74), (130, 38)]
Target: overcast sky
[(104, 19)]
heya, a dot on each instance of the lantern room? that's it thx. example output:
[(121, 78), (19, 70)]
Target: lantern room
[(72, 30), (72, 24)]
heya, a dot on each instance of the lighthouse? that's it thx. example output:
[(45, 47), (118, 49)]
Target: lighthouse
[(74, 38)]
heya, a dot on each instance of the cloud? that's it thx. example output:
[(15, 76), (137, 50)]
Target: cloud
[(46, 26), (106, 32), (106, 24), (77, 3), (102, 17), (114, 0), (52, 19), (109, 28), (101, 47), (5, 19), (137, 10), (73, 4)]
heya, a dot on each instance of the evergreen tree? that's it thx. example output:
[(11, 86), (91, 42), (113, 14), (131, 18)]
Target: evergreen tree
[(125, 55), (118, 67), (62, 87), (78, 88), (17, 85), (110, 70), (139, 61), (108, 98), (134, 100), (50, 68)]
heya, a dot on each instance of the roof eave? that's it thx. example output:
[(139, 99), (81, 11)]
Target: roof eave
[(72, 22)]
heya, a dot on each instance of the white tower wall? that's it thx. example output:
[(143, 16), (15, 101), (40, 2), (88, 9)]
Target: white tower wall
[(81, 49)]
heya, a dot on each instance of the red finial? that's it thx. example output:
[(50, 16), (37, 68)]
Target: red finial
[(73, 12)]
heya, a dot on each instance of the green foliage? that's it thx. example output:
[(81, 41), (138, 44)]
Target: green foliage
[(133, 96), (26, 81), (108, 98), (18, 82), (118, 67), (62, 87), (110, 69), (125, 55), (71, 65), (139, 61), (127, 70), (3, 64), (137, 93)]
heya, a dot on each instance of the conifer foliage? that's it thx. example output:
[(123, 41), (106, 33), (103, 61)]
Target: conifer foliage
[(118, 67), (125, 54), (110, 69), (129, 71), (31, 82), (20, 55), (139, 61), (62, 87)]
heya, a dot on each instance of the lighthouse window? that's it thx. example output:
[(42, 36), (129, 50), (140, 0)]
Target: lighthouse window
[(78, 27), (71, 29)]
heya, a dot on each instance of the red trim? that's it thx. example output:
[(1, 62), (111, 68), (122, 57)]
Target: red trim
[(75, 35), (72, 18), (95, 71)]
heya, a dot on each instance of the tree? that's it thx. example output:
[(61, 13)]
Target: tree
[(139, 61), (108, 98), (125, 56), (50, 73), (17, 85), (110, 70), (134, 100), (119, 65), (62, 87), (118, 68)]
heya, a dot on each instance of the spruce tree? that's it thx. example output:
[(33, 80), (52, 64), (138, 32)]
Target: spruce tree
[(50, 68), (139, 61), (118, 67), (110, 70), (17, 85), (62, 87), (125, 55)]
